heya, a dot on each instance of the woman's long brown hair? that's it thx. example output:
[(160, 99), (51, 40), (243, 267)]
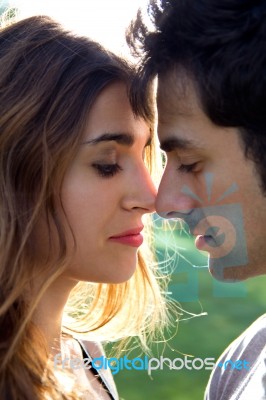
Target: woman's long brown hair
[(49, 80)]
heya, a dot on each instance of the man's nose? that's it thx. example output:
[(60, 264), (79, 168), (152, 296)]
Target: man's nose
[(172, 200)]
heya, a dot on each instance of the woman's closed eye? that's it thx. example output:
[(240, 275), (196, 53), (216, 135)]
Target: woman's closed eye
[(107, 170)]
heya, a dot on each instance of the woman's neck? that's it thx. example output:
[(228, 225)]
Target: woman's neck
[(49, 312)]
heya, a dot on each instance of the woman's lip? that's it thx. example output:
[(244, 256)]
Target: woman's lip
[(131, 237), (134, 240), (130, 232)]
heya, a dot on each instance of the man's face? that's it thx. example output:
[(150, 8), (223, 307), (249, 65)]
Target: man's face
[(210, 184)]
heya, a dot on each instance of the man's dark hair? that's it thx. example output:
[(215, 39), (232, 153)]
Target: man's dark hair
[(221, 46)]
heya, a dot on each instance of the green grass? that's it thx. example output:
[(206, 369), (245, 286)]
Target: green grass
[(230, 308)]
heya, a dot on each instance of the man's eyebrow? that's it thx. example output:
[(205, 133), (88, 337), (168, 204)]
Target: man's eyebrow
[(174, 143), (125, 139)]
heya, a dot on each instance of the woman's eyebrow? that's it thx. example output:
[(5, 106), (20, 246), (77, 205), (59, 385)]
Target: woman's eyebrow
[(125, 139)]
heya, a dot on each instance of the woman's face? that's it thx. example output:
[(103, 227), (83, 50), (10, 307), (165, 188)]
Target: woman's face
[(107, 190)]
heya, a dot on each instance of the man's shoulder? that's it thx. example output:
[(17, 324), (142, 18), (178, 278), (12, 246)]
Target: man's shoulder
[(254, 337), (241, 367)]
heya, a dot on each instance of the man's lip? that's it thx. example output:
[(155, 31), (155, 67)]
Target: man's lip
[(130, 232), (197, 233), (208, 237)]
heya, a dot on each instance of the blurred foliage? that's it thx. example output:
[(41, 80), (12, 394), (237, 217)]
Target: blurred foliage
[(3, 6), (230, 309), (7, 11)]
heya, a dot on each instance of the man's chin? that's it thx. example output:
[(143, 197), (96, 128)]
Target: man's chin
[(228, 274)]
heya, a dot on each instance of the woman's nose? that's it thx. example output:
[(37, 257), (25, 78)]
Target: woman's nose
[(142, 193)]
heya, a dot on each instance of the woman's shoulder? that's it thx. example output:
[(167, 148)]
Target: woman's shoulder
[(95, 349), (96, 354)]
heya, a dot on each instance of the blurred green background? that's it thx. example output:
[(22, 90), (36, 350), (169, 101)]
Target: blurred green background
[(230, 309)]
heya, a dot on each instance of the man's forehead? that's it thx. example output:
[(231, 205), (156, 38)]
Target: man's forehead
[(182, 123), (176, 96)]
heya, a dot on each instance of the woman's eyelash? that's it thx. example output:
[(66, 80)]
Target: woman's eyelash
[(107, 170), (187, 167)]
